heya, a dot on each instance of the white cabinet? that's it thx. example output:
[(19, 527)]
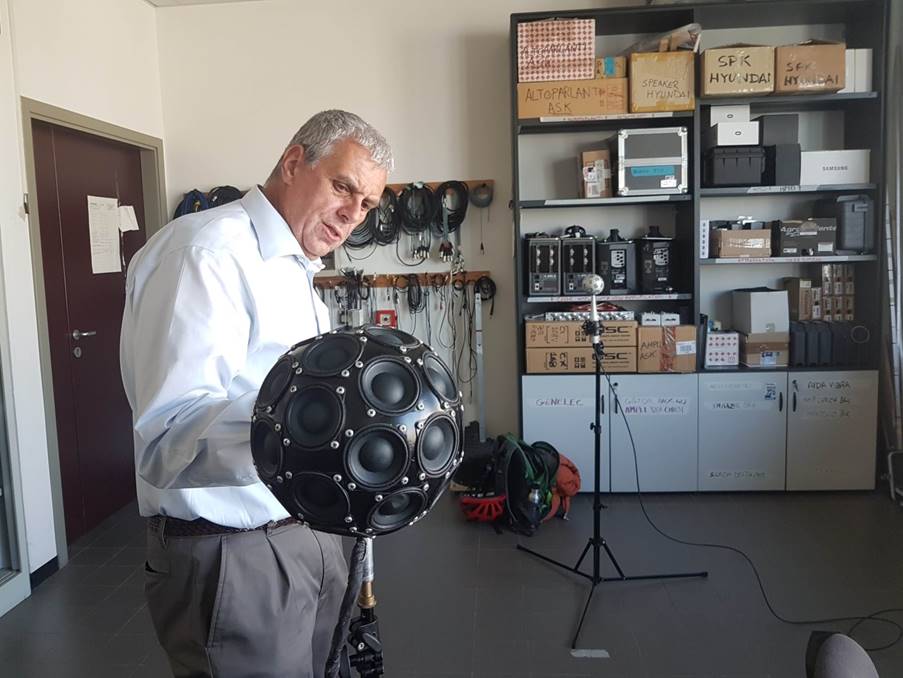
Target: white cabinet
[(661, 410), (831, 430), (742, 430), (558, 408)]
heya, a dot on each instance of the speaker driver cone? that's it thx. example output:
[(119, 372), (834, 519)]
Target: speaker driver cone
[(314, 417), (377, 457), (330, 355), (397, 510), (320, 499), (389, 336), (389, 385), (275, 383), (439, 379), (437, 445), (266, 447)]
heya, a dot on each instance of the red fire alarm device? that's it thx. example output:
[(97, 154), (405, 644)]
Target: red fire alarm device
[(387, 318)]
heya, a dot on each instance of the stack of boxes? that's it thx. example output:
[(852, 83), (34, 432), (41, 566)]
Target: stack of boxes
[(832, 301), (563, 347), (761, 316)]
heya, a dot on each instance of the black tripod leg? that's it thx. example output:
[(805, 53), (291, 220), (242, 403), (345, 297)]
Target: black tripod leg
[(583, 555), (589, 598), (614, 561)]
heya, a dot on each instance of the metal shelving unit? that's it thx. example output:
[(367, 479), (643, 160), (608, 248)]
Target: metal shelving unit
[(772, 190), (836, 259)]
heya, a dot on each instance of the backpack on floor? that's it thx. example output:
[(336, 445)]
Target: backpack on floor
[(527, 474), (193, 201)]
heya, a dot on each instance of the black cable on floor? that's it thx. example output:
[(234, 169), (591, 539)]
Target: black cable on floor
[(874, 616)]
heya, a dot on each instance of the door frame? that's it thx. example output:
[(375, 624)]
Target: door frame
[(153, 188)]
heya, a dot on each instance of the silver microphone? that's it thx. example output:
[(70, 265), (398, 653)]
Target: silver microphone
[(594, 285)]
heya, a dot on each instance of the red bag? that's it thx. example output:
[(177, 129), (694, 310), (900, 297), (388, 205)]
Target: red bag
[(567, 484)]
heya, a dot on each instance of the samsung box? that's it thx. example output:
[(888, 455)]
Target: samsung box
[(570, 98), (737, 69), (666, 349), (810, 67), (595, 174), (556, 49), (760, 310), (650, 161), (662, 81), (767, 349), (834, 167), (579, 360)]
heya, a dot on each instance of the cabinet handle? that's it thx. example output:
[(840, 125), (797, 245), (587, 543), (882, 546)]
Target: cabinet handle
[(794, 402), (614, 390), (603, 404), (781, 401)]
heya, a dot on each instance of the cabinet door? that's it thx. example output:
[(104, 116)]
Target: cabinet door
[(742, 431), (831, 430), (661, 410), (559, 409)]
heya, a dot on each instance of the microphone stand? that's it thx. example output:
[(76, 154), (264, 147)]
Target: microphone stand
[(597, 542), (363, 632)]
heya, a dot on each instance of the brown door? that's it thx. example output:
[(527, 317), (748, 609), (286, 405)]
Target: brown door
[(84, 314)]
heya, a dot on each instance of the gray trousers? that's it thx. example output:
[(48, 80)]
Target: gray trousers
[(259, 604)]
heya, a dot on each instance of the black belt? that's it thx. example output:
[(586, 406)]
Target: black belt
[(175, 527)]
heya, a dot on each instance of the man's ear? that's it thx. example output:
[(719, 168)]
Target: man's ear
[(292, 160)]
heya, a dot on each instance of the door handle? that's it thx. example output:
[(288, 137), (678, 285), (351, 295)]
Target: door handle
[(781, 401), (78, 334)]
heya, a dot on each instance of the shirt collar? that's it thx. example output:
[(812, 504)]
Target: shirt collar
[(274, 237)]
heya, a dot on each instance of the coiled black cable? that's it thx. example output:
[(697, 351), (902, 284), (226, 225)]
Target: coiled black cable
[(456, 214), (416, 208), (386, 230), (363, 233), (414, 293), (485, 287)]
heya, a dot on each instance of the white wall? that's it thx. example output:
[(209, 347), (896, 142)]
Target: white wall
[(239, 79), (97, 58)]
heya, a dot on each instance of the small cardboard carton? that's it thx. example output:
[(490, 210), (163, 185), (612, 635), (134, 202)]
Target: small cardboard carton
[(738, 69), (810, 67), (662, 81), (770, 349), (569, 98), (611, 67), (666, 349), (547, 334), (565, 360), (595, 174), (556, 49), (754, 242)]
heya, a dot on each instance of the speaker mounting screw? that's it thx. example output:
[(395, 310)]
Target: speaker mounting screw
[(448, 474), (269, 408), (286, 442), (340, 390), (269, 487), (278, 427), (378, 498), (419, 425), (405, 481), (349, 519), (444, 405), (460, 394), (348, 433), (403, 349), (300, 516), (337, 478), (288, 475), (426, 486), (360, 647), (371, 412), (452, 413), (407, 359), (369, 530), (298, 371), (295, 365), (422, 476), (279, 479), (293, 389), (402, 428), (420, 362), (420, 406), (334, 444), (345, 373), (363, 340), (352, 487), (359, 364)]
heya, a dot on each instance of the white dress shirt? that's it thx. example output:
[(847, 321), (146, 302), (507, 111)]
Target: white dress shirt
[(212, 301)]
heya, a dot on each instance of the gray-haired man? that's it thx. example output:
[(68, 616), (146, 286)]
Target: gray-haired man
[(234, 586)]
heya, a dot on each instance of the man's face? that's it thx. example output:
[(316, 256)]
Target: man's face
[(323, 203)]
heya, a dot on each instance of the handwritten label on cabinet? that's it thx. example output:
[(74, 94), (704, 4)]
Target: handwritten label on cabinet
[(655, 405), (828, 399), (742, 396), (559, 402), (737, 475)]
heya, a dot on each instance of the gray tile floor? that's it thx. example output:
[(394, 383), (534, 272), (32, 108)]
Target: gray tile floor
[(456, 600)]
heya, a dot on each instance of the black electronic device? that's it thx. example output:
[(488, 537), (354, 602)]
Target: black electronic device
[(797, 344), (578, 260), (734, 166), (782, 165), (616, 263), (357, 432), (806, 237), (654, 254), (855, 215), (779, 128), (543, 265)]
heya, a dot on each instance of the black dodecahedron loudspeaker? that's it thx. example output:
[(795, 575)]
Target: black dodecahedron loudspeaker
[(357, 432)]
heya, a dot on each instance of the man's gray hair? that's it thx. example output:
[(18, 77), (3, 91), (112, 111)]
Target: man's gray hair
[(318, 135)]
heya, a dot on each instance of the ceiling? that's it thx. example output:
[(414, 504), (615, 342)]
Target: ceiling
[(181, 3)]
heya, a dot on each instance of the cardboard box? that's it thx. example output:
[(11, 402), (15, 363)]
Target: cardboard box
[(722, 349), (595, 174), (579, 360), (737, 113), (666, 349), (811, 67), (863, 70), (834, 167), (650, 319), (545, 334), (567, 98), (804, 237), (670, 319), (662, 81), (611, 67), (849, 308), (732, 134), (738, 69), (799, 298), (760, 310), (556, 49), (752, 243), (770, 349), (849, 70)]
